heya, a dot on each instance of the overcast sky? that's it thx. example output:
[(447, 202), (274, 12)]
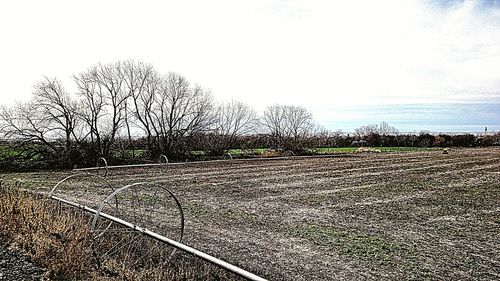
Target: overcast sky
[(419, 65)]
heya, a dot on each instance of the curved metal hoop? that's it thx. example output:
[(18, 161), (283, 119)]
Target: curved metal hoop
[(102, 159), (165, 160), (84, 175), (227, 156), (79, 175), (289, 153), (116, 193)]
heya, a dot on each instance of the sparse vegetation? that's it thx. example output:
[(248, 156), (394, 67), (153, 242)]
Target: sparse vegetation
[(368, 247)]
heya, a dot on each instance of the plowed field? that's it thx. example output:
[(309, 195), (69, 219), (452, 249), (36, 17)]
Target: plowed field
[(419, 215)]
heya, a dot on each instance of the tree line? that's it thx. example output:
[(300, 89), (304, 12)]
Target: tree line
[(114, 103), (127, 111)]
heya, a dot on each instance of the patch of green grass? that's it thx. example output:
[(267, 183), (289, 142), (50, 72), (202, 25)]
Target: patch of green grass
[(327, 150), (253, 151), (317, 150), (473, 192), (7, 151), (198, 209), (142, 197), (237, 214), (374, 192), (197, 153), (369, 247), (205, 211), (131, 153)]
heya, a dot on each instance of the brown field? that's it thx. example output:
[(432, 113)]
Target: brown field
[(419, 215)]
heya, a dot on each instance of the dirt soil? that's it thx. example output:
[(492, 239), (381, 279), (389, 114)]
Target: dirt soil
[(16, 266), (418, 215)]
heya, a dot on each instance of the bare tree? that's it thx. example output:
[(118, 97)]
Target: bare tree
[(181, 111), (231, 120), (166, 108), (366, 130), (274, 121), (144, 85), (93, 110), (385, 129), (289, 125), (26, 126), (381, 129), (58, 109), (299, 124), (104, 94)]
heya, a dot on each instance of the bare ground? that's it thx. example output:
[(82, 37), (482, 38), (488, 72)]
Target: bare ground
[(16, 266), (419, 215)]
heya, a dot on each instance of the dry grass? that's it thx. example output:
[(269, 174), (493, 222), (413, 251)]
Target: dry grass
[(59, 239), (56, 241)]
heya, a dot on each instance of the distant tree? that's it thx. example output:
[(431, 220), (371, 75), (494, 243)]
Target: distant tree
[(290, 126), (231, 120), (49, 117), (385, 129), (442, 140), (381, 129), (425, 139), (366, 130), (373, 139), (321, 137), (463, 140)]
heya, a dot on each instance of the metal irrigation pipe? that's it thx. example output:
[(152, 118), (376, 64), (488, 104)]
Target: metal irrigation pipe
[(122, 166), (180, 163), (209, 161), (218, 262)]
